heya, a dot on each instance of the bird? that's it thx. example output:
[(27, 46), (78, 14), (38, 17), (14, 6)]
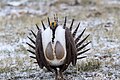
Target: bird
[(57, 46)]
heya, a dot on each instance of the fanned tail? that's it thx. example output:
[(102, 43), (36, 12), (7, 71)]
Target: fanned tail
[(33, 46), (78, 42)]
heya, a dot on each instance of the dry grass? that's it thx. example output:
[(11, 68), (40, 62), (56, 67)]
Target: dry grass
[(89, 64)]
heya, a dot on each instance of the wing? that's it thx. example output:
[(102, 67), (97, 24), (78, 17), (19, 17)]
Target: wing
[(70, 49), (39, 52), (70, 46)]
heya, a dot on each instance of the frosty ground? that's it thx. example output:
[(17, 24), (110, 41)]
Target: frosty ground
[(100, 18)]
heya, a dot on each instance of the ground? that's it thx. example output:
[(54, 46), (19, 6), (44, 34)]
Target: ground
[(101, 18)]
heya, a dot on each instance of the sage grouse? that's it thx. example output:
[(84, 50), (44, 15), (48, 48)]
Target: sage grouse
[(56, 46)]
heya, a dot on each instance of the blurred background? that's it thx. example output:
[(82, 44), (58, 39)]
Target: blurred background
[(100, 17)]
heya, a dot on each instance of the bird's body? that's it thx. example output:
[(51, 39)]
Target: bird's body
[(56, 47)]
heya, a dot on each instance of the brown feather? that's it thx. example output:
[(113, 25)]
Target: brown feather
[(80, 48), (68, 59), (82, 57), (31, 45), (37, 26), (31, 51), (36, 62), (33, 57), (73, 50), (31, 40), (78, 38), (79, 53), (33, 33), (75, 31), (65, 22), (48, 21), (43, 25), (71, 25)]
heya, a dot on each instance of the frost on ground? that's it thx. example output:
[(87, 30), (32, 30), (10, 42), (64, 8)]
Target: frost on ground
[(101, 18)]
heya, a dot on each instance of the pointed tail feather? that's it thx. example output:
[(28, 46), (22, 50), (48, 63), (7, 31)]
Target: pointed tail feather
[(33, 57), (36, 62), (83, 52), (81, 57), (78, 38), (33, 33), (31, 51), (74, 33), (43, 25), (82, 41), (48, 21), (37, 26), (65, 22), (31, 46), (80, 48), (71, 25), (31, 40)]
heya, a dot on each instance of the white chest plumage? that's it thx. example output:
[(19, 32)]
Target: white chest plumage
[(56, 47)]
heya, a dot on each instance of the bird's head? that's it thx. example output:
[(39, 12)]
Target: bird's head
[(53, 25)]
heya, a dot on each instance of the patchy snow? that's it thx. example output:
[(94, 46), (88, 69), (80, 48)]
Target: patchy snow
[(17, 3), (13, 55), (4, 46)]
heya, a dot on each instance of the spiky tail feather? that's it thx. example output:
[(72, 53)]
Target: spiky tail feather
[(71, 25), (32, 46), (74, 33)]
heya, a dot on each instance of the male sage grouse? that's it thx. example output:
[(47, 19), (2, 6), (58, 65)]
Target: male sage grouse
[(56, 46)]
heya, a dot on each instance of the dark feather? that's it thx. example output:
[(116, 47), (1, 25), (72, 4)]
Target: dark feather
[(73, 51), (39, 50), (33, 57), (43, 25), (80, 48), (83, 52), (78, 38), (31, 45), (48, 21), (30, 51), (65, 22), (81, 57), (37, 26), (36, 62), (33, 33), (71, 25), (70, 49), (74, 33), (31, 40), (82, 41)]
